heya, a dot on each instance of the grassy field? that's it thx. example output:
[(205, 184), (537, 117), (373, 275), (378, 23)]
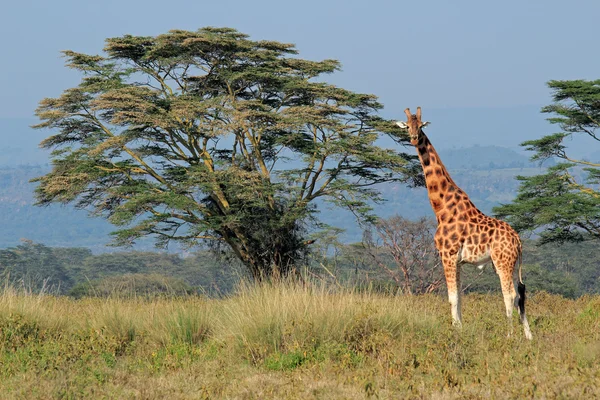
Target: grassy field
[(291, 342)]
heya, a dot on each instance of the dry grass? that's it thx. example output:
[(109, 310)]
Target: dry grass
[(292, 342)]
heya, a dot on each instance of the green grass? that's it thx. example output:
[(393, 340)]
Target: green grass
[(287, 341)]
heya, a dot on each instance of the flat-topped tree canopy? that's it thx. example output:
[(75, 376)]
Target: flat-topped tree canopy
[(209, 136)]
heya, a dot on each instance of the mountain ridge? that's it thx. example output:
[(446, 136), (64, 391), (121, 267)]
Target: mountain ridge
[(487, 182)]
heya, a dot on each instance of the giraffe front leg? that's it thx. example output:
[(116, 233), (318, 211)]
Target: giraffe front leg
[(452, 274)]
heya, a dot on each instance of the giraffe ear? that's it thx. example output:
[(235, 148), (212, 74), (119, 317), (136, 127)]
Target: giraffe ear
[(425, 124), (402, 124)]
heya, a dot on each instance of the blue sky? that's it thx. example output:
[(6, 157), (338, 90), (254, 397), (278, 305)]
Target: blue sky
[(477, 67), (439, 54)]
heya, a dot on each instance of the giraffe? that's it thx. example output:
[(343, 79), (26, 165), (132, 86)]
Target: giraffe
[(465, 235)]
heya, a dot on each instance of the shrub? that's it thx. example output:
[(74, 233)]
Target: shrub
[(133, 285)]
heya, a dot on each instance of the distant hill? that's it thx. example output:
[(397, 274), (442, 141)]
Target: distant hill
[(487, 188), (486, 172), (484, 157), (20, 143), (55, 225)]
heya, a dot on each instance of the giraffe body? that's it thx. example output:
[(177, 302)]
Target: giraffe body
[(465, 235)]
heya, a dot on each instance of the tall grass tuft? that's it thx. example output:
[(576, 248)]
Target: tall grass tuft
[(268, 318), (332, 342)]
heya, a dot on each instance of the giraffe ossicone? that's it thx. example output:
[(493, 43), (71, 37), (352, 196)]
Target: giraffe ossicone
[(465, 235)]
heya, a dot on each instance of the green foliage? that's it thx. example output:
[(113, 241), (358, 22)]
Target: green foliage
[(34, 267), (536, 278), (569, 263), (572, 270), (37, 268), (133, 285), (552, 202), (201, 269), (564, 203), (285, 361), (541, 279), (211, 136)]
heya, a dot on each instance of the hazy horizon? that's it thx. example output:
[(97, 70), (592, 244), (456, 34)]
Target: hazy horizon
[(451, 128), (478, 69)]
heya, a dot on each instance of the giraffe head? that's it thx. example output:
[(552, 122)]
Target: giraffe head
[(413, 125)]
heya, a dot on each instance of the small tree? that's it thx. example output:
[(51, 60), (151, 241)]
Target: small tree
[(564, 202), (405, 250), (209, 136)]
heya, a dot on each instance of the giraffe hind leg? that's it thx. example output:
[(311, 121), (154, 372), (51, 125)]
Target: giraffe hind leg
[(522, 316), (508, 291)]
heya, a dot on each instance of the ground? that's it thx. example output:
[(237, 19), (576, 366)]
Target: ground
[(287, 342)]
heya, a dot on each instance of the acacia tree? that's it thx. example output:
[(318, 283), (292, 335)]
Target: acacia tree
[(564, 202), (209, 136)]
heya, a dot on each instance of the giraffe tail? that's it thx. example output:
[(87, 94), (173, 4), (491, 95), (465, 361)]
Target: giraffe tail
[(521, 285)]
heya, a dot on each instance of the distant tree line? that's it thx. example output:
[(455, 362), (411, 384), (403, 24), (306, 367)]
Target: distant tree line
[(396, 256), (35, 267)]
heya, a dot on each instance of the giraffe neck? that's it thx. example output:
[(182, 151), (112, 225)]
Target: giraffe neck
[(441, 189)]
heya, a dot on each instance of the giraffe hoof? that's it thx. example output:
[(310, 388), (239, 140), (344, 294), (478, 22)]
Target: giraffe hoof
[(457, 324)]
